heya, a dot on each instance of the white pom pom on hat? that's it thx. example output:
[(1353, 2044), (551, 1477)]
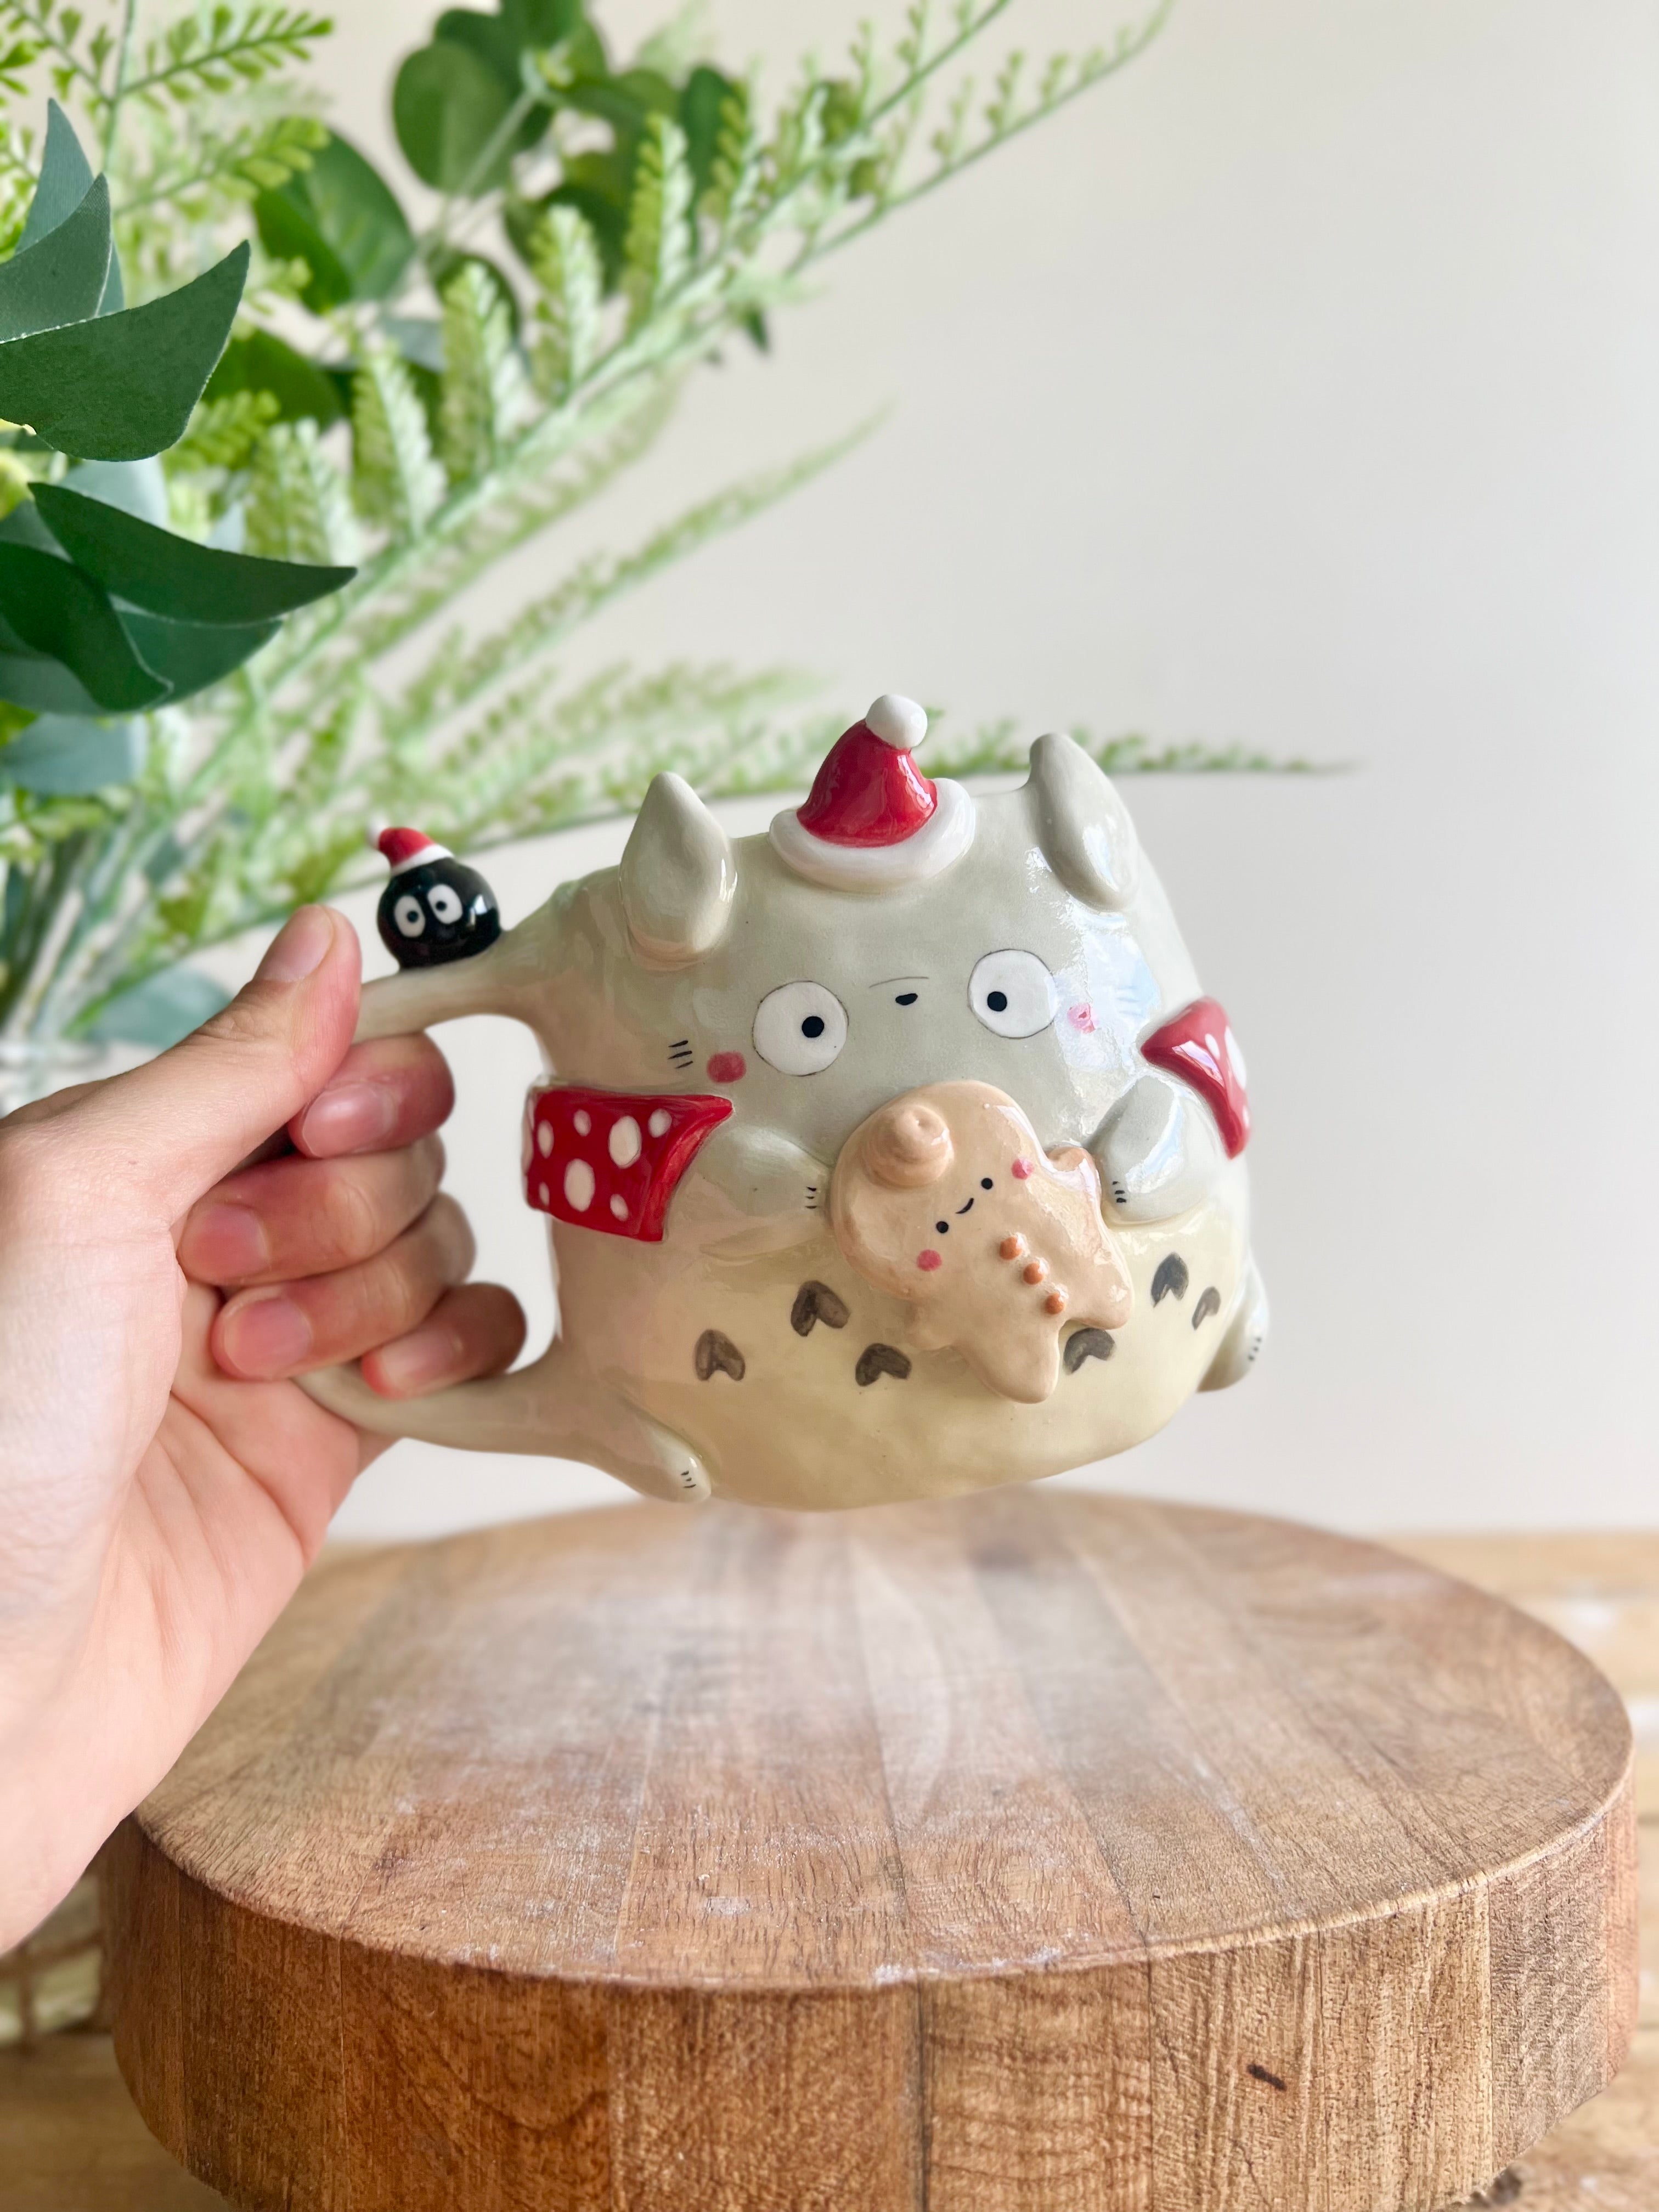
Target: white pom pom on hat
[(873, 822), (897, 721)]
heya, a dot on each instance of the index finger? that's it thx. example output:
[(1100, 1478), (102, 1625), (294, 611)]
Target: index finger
[(383, 1096)]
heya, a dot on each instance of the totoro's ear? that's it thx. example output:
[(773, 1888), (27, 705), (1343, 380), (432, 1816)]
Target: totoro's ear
[(1084, 828), (678, 877)]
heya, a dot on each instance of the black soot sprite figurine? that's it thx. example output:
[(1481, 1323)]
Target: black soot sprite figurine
[(435, 909)]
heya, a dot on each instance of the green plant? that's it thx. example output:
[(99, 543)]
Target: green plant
[(404, 400)]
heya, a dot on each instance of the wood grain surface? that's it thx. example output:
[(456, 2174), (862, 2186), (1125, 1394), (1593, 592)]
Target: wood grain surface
[(1035, 1853)]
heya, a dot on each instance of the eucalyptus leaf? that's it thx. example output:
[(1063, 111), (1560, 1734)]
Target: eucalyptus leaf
[(61, 278), (538, 24), (122, 387), (161, 1009), (23, 527), (137, 488), (626, 101), (499, 43), (261, 361), (58, 611), (166, 574), (490, 37), (192, 655), (446, 107), (43, 685), (64, 756), (418, 338), (343, 219), (65, 179)]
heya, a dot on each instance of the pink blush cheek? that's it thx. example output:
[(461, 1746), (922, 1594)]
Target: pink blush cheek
[(928, 1260), (1083, 1017), (727, 1068), (1020, 1169)]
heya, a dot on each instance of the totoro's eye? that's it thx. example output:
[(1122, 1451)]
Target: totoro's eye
[(1012, 993), (799, 1028), (410, 915), (444, 901)]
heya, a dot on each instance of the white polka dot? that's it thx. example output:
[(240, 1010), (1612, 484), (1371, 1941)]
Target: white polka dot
[(579, 1186), (1236, 1056), (658, 1122), (543, 1194), (619, 1206), (544, 1138), (582, 1121), (625, 1141)]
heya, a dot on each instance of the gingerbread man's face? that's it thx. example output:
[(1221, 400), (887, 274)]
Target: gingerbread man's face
[(944, 1198)]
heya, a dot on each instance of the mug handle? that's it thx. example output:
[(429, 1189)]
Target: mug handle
[(553, 1407)]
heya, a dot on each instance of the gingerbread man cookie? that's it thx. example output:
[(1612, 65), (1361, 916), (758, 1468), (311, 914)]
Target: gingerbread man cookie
[(944, 1198)]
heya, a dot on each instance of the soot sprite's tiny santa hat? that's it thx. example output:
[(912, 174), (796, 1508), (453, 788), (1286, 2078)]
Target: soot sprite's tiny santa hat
[(872, 821), (407, 848)]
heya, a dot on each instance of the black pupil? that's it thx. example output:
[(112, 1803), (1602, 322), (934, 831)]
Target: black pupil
[(812, 1026), (984, 1182), (943, 1227), (997, 1002)]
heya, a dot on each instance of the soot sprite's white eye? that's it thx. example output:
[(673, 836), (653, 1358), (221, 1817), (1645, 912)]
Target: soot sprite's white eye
[(410, 915), (444, 901), (1012, 993), (799, 1028)]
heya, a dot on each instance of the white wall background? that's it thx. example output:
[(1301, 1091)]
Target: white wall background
[(1300, 387)]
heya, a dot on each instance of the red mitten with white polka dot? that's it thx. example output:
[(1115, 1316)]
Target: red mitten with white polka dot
[(611, 1160)]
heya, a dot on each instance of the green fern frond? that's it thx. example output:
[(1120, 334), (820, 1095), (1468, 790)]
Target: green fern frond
[(482, 391), (452, 565), (395, 479), (657, 250), (215, 51), (17, 183), (55, 35), (734, 173), (223, 433), (20, 55), (257, 157), (564, 259), (298, 509), (541, 760), (452, 680)]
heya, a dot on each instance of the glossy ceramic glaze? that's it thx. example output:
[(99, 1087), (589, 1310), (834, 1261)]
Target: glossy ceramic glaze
[(720, 1020)]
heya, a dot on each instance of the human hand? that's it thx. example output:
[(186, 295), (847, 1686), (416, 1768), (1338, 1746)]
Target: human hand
[(163, 1483)]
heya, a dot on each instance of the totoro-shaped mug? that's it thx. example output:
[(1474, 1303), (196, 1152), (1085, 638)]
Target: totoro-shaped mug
[(894, 1153)]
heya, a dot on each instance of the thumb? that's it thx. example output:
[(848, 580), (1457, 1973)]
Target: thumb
[(189, 1117)]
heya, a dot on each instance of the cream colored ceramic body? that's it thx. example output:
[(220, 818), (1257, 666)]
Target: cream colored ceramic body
[(708, 1361)]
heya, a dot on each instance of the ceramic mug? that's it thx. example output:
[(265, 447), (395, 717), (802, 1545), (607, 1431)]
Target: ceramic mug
[(893, 1153)]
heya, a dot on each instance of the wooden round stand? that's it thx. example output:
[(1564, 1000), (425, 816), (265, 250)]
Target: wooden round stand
[(1036, 1853)]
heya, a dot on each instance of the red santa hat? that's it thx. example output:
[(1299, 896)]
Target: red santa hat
[(872, 821), (407, 848)]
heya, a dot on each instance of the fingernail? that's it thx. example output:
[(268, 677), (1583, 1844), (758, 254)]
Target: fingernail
[(268, 1335), (345, 1119), (228, 1243), (299, 949), (424, 1356)]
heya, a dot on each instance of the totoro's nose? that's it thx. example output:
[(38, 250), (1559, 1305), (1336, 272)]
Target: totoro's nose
[(908, 1145)]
